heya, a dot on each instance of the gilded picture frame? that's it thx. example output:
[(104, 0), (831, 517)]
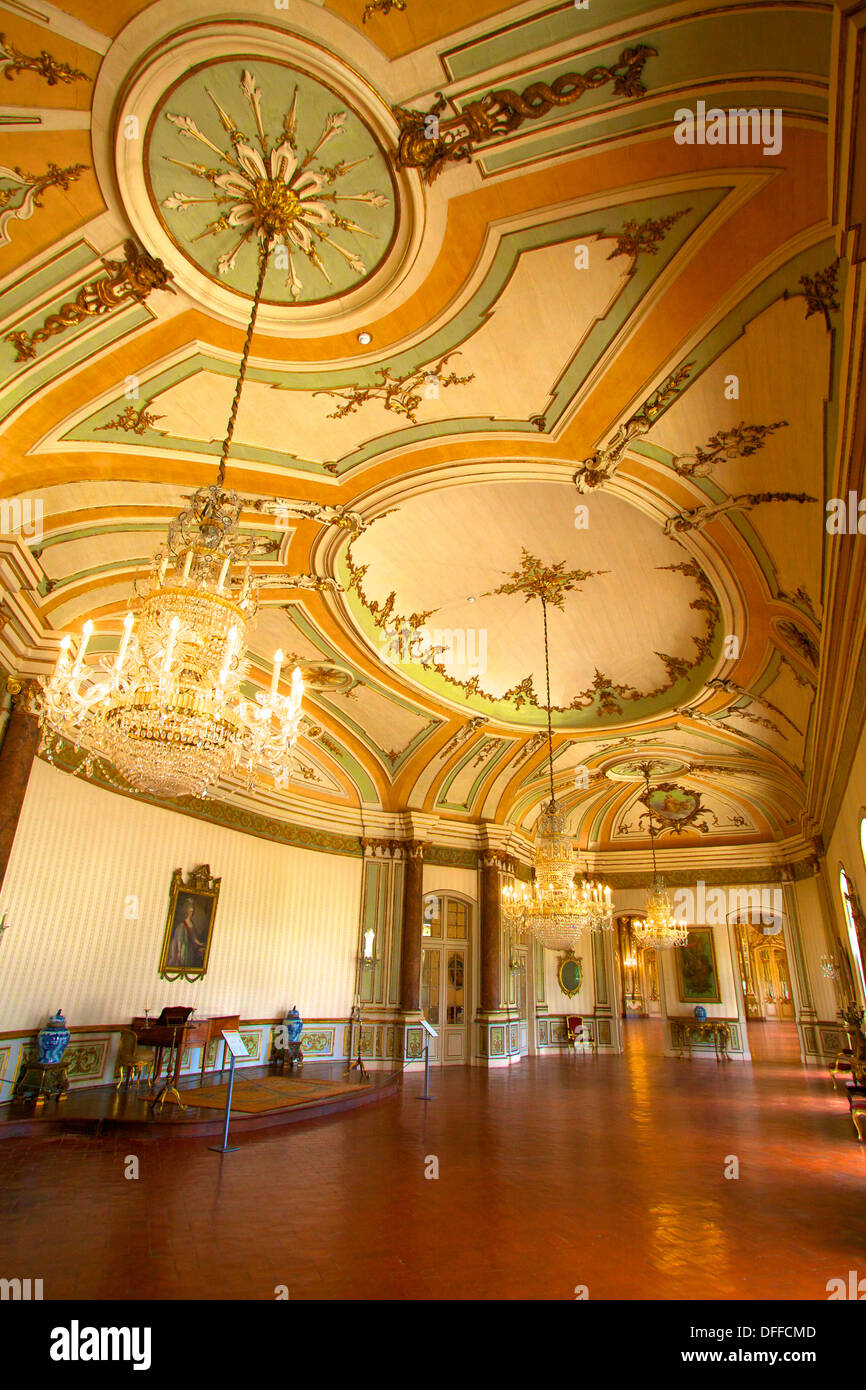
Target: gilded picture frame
[(570, 974), (698, 968), (192, 906), (675, 808)]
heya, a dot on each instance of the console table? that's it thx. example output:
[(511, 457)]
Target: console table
[(42, 1079), (684, 1030)]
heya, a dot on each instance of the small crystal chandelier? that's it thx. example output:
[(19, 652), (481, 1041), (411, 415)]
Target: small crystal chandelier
[(658, 930), (168, 712), (829, 967), (555, 908)]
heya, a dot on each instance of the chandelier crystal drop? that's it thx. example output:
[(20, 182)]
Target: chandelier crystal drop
[(555, 908), (168, 711)]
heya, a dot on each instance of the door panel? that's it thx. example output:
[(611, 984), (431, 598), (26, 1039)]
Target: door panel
[(431, 966), (454, 1032)]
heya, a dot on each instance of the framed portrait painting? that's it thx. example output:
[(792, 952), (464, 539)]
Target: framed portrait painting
[(192, 909), (697, 968)]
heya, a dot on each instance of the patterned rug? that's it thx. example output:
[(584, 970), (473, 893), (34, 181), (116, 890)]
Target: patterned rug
[(268, 1093)]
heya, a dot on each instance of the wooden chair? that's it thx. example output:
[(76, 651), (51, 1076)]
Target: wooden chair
[(133, 1059), (842, 1066)]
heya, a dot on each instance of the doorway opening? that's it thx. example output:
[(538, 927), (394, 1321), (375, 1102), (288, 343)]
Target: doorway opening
[(765, 977), (446, 934)]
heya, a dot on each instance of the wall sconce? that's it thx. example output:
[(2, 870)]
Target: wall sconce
[(367, 957)]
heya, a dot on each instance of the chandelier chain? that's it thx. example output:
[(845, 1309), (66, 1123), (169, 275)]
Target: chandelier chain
[(650, 817), (239, 385), (549, 724)]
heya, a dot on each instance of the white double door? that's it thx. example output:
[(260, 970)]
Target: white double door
[(444, 1000)]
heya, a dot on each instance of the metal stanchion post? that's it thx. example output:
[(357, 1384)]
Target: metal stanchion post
[(427, 1095), (225, 1147)]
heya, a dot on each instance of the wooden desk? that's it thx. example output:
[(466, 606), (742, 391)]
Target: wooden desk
[(196, 1032), (161, 1036), (684, 1029), (205, 1030)]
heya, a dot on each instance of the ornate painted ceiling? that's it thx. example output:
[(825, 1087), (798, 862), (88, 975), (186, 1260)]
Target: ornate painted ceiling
[(520, 338)]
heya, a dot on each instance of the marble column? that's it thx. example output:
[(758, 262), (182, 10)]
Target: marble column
[(409, 1039), (497, 1026), (490, 934), (17, 752)]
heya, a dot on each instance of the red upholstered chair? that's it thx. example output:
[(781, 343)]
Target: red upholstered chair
[(578, 1031)]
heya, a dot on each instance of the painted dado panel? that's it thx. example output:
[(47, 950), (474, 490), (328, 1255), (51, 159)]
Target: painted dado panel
[(86, 861)]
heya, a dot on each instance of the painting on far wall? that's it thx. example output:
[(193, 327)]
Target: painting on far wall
[(697, 969), (188, 931)]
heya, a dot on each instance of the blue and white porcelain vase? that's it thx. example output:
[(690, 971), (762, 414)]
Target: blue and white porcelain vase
[(294, 1024), (52, 1039)]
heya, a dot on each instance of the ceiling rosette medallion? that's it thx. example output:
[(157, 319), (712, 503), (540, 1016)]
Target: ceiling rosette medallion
[(245, 128)]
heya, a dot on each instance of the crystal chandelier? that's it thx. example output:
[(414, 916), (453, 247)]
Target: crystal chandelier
[(168, 712), (555, 908), (659, 929), (829, 967)]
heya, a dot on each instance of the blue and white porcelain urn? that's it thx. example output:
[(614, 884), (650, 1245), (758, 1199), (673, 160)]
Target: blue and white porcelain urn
[(52, 1039)]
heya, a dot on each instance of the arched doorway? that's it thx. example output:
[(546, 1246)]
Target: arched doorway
[(638, 972), (764, 972)]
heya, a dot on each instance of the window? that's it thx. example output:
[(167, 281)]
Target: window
[(444, 916), (846, 887)]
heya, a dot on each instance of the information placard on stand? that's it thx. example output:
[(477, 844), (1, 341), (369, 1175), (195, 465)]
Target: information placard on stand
[(237, 1048)]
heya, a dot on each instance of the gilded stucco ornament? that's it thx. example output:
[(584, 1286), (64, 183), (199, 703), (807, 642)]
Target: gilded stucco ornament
[(13, 62), (600, 467), (23, 192), (819, 291), (697, 517), (725, 445), (133, 421), (428, 143), (549, 583), (401, 394), (129, 281)]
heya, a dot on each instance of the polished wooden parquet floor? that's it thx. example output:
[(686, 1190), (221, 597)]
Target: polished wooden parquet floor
[(605, 1172)]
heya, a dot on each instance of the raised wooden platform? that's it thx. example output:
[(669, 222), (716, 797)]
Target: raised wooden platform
[(99, 1109)]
